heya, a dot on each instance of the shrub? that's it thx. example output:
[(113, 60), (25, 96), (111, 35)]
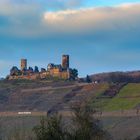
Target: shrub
[(84, 127), (49, 129)]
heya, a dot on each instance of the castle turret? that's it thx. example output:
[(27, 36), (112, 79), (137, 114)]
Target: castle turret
[(65, 61), (23, 64)]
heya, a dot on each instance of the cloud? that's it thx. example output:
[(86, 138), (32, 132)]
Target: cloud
[(25, 17), (105, 26), (32, 20), (59, 16), (106, 17)]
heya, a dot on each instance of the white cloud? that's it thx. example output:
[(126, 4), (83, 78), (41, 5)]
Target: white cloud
[(123, 16), (59, 16), (30, 20)]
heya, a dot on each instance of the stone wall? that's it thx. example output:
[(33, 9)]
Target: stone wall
[(43, 75)]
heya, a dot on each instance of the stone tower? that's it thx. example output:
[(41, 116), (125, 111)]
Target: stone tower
[(23, 64), (65, 61)]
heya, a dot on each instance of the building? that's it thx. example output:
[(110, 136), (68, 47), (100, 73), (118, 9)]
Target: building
[(61, 71)]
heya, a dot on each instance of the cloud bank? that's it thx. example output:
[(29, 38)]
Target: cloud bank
[(125, 16), (32, 20)]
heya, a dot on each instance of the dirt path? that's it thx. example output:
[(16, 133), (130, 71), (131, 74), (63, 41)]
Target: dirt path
[(126, 113), (121, 113)]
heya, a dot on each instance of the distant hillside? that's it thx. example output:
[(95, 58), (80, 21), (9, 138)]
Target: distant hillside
[(128, 77)]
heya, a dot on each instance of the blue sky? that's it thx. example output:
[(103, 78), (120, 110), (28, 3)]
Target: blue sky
[(99, 36), (107, 2)]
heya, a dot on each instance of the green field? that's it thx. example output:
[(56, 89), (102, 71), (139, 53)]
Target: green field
[(127, 98)]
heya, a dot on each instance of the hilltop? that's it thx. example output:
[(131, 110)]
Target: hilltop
[(117, 77)]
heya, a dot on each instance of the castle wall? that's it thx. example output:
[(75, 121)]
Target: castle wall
[(65, 75), (26, 77), (55, 72), (43, 75)]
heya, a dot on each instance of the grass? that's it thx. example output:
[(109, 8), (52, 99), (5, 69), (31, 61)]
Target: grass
[(13, 127), (97, 102), (118, 127), (101, 89), (128, 98)]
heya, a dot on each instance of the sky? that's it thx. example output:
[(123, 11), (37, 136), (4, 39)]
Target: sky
[(99, 35)]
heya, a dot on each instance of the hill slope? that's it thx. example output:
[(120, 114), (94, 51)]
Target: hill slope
[(44, 96), (61, 95), (127, 98)]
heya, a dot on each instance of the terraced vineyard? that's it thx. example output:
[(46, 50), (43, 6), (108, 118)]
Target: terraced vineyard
[(59, 96), (49, 97), (127, 98)]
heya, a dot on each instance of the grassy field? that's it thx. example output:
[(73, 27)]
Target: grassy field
[(122, 128), (20, 128), (127, 98), (97, 102)]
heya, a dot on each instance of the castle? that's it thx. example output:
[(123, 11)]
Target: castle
[(61, 71)]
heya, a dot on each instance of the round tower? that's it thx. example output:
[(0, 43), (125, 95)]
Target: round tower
[(65, 61), (23, 64)]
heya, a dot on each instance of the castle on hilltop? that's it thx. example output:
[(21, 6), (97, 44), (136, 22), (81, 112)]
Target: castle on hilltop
[(61, 71)]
